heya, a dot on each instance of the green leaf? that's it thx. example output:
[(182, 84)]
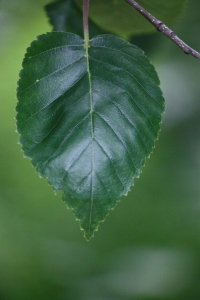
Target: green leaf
[(64, 15), (119, 17), (88, 116)]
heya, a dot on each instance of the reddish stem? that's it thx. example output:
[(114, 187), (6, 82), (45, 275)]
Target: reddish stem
[(85, 20)]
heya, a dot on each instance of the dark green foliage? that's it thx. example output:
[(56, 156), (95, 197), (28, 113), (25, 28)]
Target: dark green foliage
[(88, 116)]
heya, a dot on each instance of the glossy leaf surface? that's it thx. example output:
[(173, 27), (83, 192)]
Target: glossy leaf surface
[(64, 15), (88, 118), (119, 17)]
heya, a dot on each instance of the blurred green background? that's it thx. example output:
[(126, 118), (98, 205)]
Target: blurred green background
[(149, 246)]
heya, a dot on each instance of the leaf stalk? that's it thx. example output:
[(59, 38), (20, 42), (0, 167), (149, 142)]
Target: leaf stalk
[(85, 21)]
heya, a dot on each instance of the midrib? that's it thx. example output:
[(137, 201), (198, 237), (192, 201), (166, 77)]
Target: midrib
[(86, 45)]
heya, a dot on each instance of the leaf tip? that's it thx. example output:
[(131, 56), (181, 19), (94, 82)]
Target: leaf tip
[(88, 236)]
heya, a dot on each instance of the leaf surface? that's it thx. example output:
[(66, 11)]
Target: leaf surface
[(64, 15), (119, 17), (88, 117)]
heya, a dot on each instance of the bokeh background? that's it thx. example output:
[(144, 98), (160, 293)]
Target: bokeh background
[(149, 246)]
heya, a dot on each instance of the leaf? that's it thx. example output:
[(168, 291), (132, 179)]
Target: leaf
[(119, 17), (64, 15), (88, 116)]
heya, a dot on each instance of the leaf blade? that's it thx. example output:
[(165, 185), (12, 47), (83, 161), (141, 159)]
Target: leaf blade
[(88, 118)]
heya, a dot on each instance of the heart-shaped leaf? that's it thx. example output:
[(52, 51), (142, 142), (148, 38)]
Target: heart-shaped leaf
[(88, 116), (118, 17)]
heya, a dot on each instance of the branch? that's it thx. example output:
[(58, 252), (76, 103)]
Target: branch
[(160, 26)]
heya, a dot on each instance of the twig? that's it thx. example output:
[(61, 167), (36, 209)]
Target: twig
[(160, 26)]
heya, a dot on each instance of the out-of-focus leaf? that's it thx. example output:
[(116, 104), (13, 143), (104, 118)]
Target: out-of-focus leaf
[(120, 18), (88, 116), (64, 15)]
